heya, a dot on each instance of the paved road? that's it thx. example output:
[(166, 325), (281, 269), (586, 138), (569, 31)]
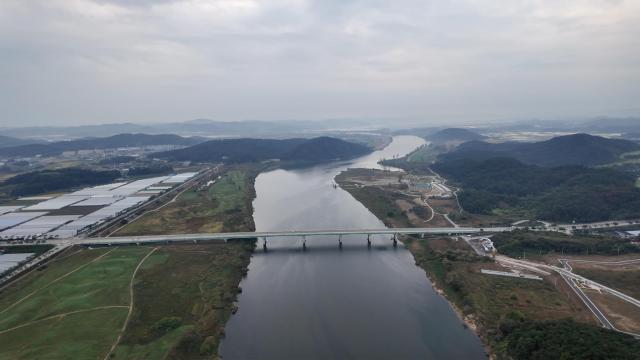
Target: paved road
[(590, 305)]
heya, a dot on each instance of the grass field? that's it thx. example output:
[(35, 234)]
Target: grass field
[(224, 206), (77, 306), (183, 313), (627, 281), (72, 309)]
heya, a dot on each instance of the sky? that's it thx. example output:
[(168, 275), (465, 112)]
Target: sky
[(76, 62)]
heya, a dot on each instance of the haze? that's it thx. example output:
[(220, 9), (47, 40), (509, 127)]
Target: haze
[(71, 62)]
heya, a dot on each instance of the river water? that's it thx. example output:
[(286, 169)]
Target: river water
[(332, 303)]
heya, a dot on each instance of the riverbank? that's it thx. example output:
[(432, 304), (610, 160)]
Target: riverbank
[(185, 297), (486, 304), (224, 205), (132, 302), (187, 300)]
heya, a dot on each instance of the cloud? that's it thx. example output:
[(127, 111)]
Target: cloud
[(84, 61)]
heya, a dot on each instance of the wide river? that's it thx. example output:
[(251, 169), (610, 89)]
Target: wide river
[(331, 303)]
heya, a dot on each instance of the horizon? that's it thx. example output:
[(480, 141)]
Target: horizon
[(378, 123)]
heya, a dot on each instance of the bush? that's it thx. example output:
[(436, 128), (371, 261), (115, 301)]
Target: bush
[(167, 324)]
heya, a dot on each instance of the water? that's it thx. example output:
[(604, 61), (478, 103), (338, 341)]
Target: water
[(327, 303)]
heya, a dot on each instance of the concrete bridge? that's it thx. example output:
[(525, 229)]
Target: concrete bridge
[(264, 235)]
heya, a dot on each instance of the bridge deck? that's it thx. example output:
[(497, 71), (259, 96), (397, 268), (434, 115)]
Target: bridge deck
[(299, 233)]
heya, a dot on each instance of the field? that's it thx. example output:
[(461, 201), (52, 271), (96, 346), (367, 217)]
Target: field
[(624, 315), (625, 279), (224, 206), (77, 307), (73, 309), (183, 313)]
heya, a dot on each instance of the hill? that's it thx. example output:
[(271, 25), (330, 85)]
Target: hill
[(577, 149), (39, 182), (251, 150), (116, 141), (7, 141), (324, 149), (561, 194), (455, 134)]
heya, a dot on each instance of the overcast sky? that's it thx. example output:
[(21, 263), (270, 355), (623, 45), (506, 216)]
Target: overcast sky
[(70, 62)]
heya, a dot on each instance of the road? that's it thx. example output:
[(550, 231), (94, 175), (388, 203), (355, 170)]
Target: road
[(573, 280), (590, 305)]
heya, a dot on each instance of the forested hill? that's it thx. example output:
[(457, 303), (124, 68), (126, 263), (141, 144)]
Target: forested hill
[(561, 194), (7, 141), (455, 134), (39, 182), (578, 149), (251, 150), (121, 140)]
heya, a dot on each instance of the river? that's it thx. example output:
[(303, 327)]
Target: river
[(332, 303)]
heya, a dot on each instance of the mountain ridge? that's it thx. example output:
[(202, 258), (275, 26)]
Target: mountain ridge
[(252, 150), (577, 149), (120, 140)]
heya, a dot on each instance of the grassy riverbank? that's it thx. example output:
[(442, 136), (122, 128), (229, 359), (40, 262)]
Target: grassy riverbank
[(489, 303), (78, 305), (223, 206), (185, 296)]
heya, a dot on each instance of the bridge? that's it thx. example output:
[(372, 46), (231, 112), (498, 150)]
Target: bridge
[(264, 235)]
